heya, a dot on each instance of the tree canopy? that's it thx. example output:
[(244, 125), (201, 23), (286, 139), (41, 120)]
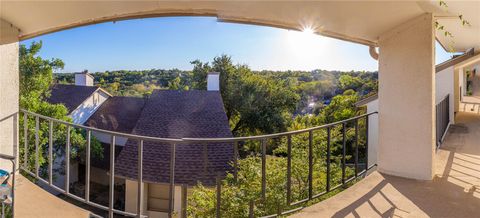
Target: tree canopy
[(36, 79)]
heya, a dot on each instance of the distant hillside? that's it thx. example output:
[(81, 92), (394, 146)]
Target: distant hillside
[(315, 87)]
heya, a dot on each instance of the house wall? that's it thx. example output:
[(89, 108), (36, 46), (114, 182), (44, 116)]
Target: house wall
[(9, 92), (444, 85), (99, 176), (155, 199), (372, 132), (81, 114)]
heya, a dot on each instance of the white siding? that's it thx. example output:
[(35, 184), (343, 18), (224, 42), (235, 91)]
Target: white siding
[(81, 114)]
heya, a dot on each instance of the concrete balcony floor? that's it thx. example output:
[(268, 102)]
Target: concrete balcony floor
[(452, 193), (33, 201)]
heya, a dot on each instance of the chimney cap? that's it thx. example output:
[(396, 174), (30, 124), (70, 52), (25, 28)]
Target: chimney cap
[(86, 73)]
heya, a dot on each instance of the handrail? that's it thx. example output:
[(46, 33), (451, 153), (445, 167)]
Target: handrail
[(126, 135), (172, 140)]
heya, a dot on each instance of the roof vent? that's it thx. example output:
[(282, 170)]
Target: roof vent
[(83, 78), (213, 81)]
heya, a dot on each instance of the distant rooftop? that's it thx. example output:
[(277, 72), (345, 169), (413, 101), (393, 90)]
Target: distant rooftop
[(180, 114), (70, 95), (118, 114)]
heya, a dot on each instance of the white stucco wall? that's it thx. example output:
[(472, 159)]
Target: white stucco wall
[(372, 132), (445, 86), (9, 91), (81, 114), (407, 100)]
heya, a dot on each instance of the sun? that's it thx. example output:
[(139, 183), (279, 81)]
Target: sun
[(306, 42)]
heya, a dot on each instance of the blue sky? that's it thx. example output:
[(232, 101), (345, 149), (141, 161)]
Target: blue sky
[(166, 43)]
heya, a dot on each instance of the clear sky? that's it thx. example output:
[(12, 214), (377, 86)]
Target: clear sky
[(166, 43)]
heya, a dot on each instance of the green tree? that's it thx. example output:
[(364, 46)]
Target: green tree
[(199, 75), (341, 107), (36, 77), (253, 103)]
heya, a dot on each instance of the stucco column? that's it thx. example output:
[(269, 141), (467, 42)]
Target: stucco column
[(407, 99), (9, 81), (456, 90)]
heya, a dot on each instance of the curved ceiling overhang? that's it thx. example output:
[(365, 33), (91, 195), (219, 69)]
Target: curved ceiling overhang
[(356, 21)]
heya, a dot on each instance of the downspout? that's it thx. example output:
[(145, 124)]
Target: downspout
[(373, 52)]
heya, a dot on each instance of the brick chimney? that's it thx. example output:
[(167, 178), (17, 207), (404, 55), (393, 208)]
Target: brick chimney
[(83, 79), (213, 81)]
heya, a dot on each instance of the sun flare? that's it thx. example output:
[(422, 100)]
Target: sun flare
[(305, 43)]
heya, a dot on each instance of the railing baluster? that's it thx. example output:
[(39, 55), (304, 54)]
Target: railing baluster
[(328, 159), (184, 200), (356, 148), (264, 168), (172, 181), (67, 162), (25, 140), (140, 179), (87, 170), (310, 164), (205, 159), (251, 212), (37, 142), (112, 178), (344, 150), (219, 198), (289, 169), (50, 152), (235, 161), (366, 145)]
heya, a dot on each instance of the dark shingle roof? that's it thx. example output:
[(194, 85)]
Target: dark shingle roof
[(70, 95), (118, 114), (180, 114)]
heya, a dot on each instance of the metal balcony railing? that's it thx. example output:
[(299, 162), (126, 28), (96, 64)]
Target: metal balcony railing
[(442, 114), (351, 125)]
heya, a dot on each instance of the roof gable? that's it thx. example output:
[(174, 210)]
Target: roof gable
[(71, 96), (180, 114)]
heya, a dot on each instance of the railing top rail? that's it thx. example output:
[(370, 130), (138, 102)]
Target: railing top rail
[(126, 135), (204, 140), (276, 135)]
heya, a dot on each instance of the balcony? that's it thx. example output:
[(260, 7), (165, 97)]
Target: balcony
[(452, 193), (351, 162)]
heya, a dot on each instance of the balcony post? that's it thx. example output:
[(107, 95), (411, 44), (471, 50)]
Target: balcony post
[(407, 99), (9, 80)]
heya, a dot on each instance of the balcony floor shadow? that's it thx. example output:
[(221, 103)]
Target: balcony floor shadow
[(452, 193), (33, 201)]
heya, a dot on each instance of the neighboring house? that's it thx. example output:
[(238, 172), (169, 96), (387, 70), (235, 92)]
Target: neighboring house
[(164, 114), (81, 99)]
